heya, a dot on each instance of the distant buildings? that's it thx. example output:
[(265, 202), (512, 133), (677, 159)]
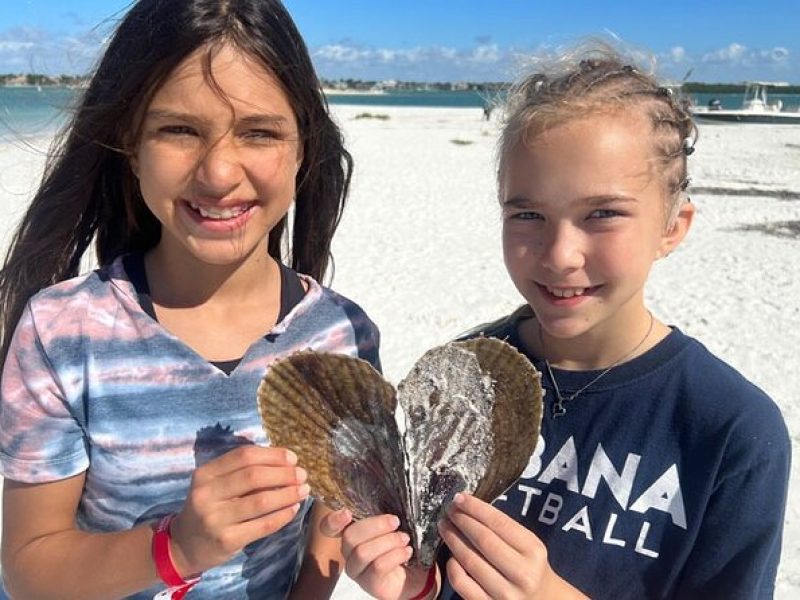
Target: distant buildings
[(362, 86), (38, 80)]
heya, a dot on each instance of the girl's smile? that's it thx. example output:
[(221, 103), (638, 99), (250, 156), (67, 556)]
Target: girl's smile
[(583, 222), (215, 219), (566, 296), (217, 159)]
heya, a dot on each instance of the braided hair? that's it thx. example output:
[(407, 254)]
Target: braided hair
[(600, 80)]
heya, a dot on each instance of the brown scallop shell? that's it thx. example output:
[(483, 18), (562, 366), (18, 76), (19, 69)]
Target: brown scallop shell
[(468, 419)]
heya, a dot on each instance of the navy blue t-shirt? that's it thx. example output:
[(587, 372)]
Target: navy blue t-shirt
[(667, 478)]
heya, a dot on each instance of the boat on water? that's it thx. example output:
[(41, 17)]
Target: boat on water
[(756, 108)]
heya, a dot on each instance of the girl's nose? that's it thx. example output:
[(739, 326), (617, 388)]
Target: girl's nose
[(219, 170), (562, 249)]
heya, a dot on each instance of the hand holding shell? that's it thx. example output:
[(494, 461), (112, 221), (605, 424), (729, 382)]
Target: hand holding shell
[(466, 418)]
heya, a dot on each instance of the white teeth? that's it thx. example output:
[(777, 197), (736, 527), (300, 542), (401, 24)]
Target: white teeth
[(218, 214), (566, 292)]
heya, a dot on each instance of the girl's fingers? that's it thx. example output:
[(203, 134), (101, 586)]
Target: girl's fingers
[(380, 554), (498, 540), (252, 478), (463, 584), (258, 504), (201, 550), (481, 569), (245, 456), (255, 529), (334, 523), (495, 520), (367, 529)]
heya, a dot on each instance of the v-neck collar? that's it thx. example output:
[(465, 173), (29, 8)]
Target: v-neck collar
[(131, 267)]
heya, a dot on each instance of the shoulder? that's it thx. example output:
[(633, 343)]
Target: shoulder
[(325, 314), (724, 402), (70, 307), (353, 311), (502, 328)]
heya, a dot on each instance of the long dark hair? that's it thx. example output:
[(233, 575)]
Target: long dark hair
[(88, 191)]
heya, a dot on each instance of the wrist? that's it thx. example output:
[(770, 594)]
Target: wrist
[(181, 561), (168, 572), (430, 585), (556, 587)]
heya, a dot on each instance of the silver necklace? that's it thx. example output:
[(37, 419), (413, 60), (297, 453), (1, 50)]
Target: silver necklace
[(558, 406)]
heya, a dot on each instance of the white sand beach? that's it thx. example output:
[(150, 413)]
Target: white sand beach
[(419, 249)]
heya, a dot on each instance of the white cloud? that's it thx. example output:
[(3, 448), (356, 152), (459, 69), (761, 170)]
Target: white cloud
[(677, 54), (730, 54), (778, 54), (486, 53), (29, 49), (483, 61), (341, 53), (738, 55), (11, 47)]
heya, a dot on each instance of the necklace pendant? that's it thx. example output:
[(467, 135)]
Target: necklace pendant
[(558, 408)]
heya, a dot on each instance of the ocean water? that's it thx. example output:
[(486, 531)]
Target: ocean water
[(40, 111), (31, 111)]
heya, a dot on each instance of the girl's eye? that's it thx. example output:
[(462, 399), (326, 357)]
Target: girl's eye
[(604, 213), (260, 134), (527, 215), (177, 130)]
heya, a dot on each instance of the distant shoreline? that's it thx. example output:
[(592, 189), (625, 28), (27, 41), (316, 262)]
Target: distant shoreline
[(359, 87)]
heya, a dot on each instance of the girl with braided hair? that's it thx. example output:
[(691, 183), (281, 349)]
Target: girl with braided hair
[(661, 472)]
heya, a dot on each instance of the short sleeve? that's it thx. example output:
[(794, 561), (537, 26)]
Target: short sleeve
[(365, 333), (41, 439), (738, 548), (368, 342)]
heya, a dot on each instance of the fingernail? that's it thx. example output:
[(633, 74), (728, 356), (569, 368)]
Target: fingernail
[(458, 498), (300, 474), (395, 522), (405, 538), (291, 457), (304, 490)]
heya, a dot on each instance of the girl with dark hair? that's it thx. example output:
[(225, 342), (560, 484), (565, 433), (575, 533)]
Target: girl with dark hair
[(661, 472), (201, 156)]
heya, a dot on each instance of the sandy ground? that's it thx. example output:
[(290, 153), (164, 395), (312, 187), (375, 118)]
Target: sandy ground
[(419, 249)]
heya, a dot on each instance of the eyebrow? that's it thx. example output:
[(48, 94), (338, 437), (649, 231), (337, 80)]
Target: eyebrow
[(254, 119), (591, 201)]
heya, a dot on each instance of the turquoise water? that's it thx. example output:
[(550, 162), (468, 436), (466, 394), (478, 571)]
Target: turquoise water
[(441, 99), (30, 111)]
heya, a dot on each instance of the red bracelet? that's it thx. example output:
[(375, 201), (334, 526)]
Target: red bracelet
[(165, 566), (429, 583)]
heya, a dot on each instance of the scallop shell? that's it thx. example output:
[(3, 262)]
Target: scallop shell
[(466, 418)]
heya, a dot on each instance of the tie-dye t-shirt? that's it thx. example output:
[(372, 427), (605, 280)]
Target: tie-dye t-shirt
[(92, 383)]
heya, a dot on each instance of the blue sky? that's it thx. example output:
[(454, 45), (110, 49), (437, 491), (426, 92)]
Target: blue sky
[(438, 40)]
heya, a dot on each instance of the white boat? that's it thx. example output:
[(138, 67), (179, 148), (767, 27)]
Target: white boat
[(755, 108)]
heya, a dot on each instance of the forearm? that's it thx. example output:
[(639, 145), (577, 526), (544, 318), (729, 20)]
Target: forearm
[(316, 579), (81, 565), (322, 563)]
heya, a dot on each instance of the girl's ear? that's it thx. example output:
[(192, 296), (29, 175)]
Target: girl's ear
[(300, 155), (677, 228), (133, 161)]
